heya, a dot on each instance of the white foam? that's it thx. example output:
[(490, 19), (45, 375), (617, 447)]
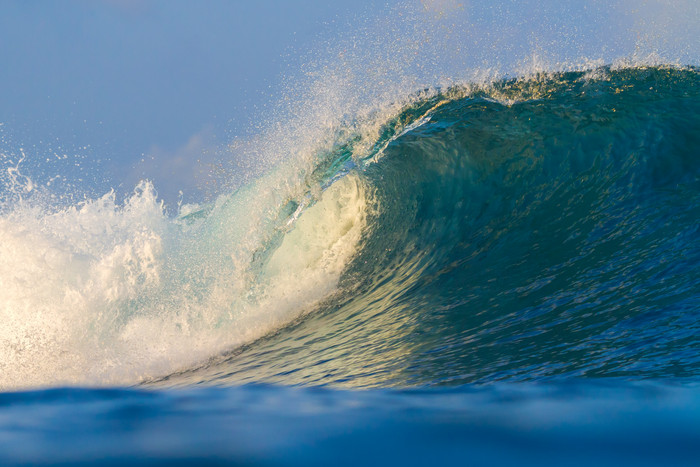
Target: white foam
[(109, 293)]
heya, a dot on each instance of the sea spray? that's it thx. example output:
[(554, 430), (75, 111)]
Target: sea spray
[(106, 292), (531, 229)]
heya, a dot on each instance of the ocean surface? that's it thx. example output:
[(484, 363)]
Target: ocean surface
[(497, 272)]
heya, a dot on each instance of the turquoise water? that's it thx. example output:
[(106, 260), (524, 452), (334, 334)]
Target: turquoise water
[(530, 231), (510, 271)]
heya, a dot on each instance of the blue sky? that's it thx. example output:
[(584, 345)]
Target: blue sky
[(142, 88), (126, 78)]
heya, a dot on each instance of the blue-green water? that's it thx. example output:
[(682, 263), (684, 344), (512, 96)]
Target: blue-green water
[(555, 236), (510, 271)]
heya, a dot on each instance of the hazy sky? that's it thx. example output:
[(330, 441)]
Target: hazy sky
[(112, 82), (133, 77)]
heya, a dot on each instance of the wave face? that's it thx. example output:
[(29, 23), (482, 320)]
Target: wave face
[(542, 229), (531, 229), (527, 229)]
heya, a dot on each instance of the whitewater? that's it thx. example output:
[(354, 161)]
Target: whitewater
[(505, 260)]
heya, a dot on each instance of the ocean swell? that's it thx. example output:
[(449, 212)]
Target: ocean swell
[(530, 229), (524, 229)]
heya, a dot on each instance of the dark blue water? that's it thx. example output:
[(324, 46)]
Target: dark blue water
[(525, 289), (595, 423)]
